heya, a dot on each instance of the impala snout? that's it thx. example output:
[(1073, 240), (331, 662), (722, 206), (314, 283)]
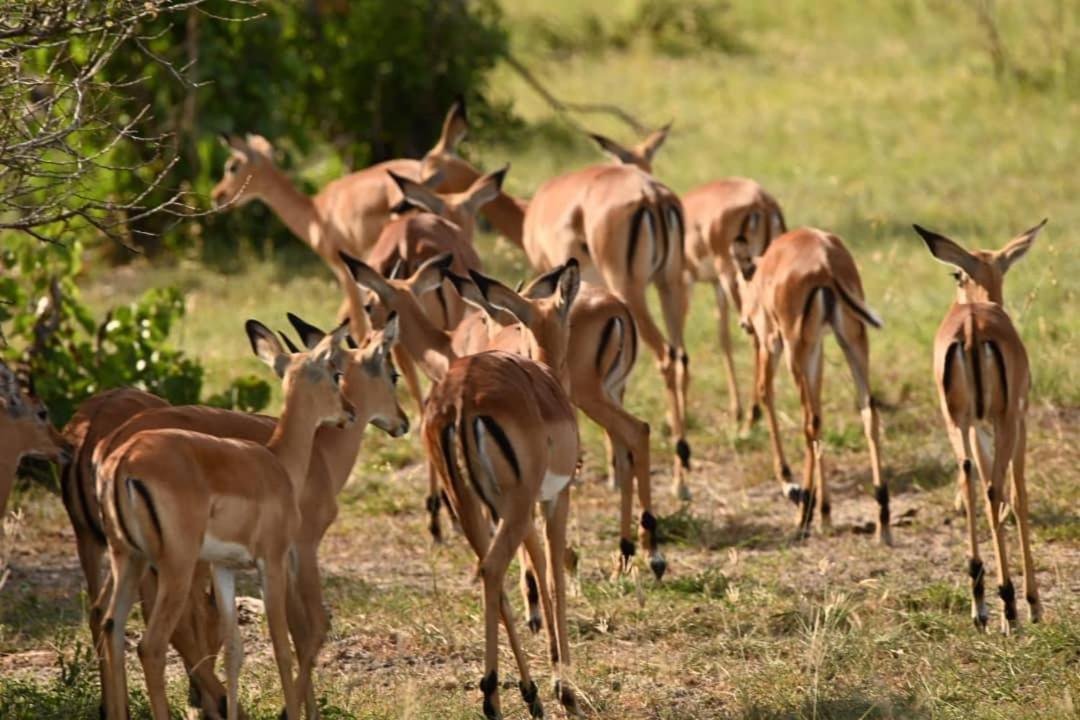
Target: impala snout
[(219, 197), (394, 428)]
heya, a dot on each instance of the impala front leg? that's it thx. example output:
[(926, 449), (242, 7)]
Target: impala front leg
[(766, 369)]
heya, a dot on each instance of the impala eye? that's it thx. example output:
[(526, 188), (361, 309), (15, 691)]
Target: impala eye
[(394, 376), (43, 415), (338, 377), (231, 167)]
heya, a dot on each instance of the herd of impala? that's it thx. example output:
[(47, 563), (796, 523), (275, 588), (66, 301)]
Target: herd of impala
[(195, 493)]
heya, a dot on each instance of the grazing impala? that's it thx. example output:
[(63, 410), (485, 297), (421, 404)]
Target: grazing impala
[(983, 377), (27, 432), (626, 230), (717, 213), (503, 436), (804, 285)]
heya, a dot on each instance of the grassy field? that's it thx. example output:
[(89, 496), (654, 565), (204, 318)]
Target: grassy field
[(860, 121)]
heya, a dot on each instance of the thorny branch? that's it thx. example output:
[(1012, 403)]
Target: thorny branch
[(61, 118)]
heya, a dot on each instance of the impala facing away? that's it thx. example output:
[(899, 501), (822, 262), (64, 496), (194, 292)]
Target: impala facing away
[(983, 377), (716, 214), (502, 436), (27, 432), (625, 228), (172, 498), (804, 285)]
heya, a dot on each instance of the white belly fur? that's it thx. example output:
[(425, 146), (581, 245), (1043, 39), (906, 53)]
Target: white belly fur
[(553, 485), (225, 553)]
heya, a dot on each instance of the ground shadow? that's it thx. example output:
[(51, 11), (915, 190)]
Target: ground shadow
[(683, 527), (853, 707)]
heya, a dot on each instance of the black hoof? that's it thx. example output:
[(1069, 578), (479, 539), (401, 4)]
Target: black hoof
[(532, 698), (284, 714), (566, 698), (658, 565), (980, 622), (535, 625), (682, 449)]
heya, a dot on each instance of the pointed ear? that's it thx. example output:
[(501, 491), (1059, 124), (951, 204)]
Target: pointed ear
[(1017, 247), (569, 284), (434, 180), (417, 194), (289, 344), (647, 148), (623, 155), (398, 271), (266, 347), (455, 126), (947, 251), (328, 350), (430, 275), (503, 297), (485, 189), (390, 332), (309, 334), (260, 145), (543, 286), (469, 292), (365, 275)]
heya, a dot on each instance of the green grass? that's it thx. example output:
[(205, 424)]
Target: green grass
[(861, 118)]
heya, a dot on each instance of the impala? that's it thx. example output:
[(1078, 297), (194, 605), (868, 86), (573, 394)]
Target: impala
[(27, 432), (503, 436), (716, 214), (272, 522), (445, 223), (626, 230), (983, 377), (805, 284), (597, 367)]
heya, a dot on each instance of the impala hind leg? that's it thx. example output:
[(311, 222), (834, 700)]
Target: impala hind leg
[(672, 290), (528, 556), (308, 621), (723, 326), (225, 596), (1020, 507), (557, 514), (174, 585), (958, 435), (765, 371), (1004, 449), (275, 597), (806, 362), (117, 597), (854, 341)]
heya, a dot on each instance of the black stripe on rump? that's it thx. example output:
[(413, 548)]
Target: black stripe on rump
[(1000, 359), (120, 518), (502, 441), (951, 356), (635, 229), (976, 372), (605, 338), (140, 487)]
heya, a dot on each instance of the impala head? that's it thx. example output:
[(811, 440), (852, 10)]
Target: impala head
[(443, 158), (459, 208), (243, 176), (980, 274), (311, 380), (640, 154), (389, 296), (543, 307), (369, 378), (25, 426)]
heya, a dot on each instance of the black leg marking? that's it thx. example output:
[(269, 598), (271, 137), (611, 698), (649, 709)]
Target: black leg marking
[(755, 414), (489, 684), (815, 424), (826, 509), (685, 359), (648, 521), (531, 696), (566, 697), (532, 593), (806, 499), (881, 494), (627, 550), (672, 354), (433, 504), (1008, 596), (978, 591), (109, 625), (223, 708), (194, 696), (682, 449)]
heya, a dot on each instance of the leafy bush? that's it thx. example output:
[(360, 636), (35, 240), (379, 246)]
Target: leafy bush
[(73, 355)]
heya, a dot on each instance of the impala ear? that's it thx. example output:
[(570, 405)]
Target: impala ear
[(543, 286), (417, 194), (455, 126), (434, 180), (469, 292), (1017, 247), (366, 276), (328, 350), (266, 346), (398, 271), (309, 334), (948, 252), (485, 189), (390, 332), (259, 144), (430, 275), (289, 344), (617, 151), (569, 284), (647, 148), (503, 297)]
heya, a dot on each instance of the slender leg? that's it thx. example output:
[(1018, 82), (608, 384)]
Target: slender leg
[(672, 290), (174, 585), (274, 587), (766, 370), (308, 621), (800, 360), (1020, 506), (225, 595), (994, 487), (958, 435), (530, 591), (555, 530), (117, 598), (724, 332), (433, 504)]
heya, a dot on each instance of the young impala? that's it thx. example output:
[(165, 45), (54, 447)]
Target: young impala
[(982, 375), (805, 285), (172, 498), (502, 436)]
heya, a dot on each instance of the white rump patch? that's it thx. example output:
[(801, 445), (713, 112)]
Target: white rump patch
[(553, 485)]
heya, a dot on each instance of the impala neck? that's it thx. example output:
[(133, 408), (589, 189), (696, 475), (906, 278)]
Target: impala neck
[(292, 443), (507, 214), (293, 207), (339, 448), (430, 347)]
